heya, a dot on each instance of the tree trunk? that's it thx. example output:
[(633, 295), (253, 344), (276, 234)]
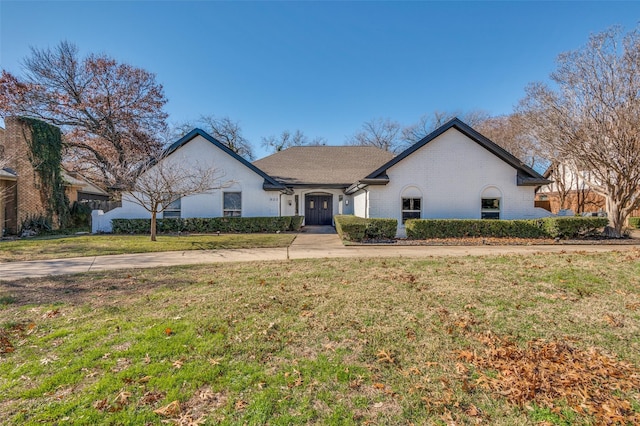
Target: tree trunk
[(153, 225), (617, 215)]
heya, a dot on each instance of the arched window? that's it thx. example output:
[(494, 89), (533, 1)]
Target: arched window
[(491, 201), (411, 203)]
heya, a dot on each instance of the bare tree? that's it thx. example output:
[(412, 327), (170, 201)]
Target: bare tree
[(592, 120), (224, 129), (166, 180), (287, 140), (429, 122), (564, 182), (509, 132), (382, 133), (111, 113)]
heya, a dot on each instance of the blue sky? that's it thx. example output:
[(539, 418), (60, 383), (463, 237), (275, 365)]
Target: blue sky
[(321, 67)]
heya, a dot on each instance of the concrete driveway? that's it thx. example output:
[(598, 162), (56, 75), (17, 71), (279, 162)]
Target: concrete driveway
[(312, 244)]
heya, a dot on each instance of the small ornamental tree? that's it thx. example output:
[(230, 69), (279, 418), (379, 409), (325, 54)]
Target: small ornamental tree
[(165, 180)]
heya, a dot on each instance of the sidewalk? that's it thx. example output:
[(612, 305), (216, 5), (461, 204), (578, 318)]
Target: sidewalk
[(307, 245)]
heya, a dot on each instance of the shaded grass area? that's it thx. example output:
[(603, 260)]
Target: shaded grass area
[(97, 245), (363, 341)]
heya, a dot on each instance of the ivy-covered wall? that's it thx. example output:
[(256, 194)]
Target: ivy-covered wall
[(35, 150), (45, 154)]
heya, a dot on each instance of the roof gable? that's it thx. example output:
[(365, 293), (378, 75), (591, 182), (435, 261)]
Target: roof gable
[(270, 183), (525, 174)]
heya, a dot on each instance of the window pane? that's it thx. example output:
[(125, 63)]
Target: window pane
[(491, 203), (232, 201), (175, 205), (411, 208), (490, 215)]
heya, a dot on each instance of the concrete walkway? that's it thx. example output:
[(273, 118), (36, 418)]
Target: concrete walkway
[(311, 244)]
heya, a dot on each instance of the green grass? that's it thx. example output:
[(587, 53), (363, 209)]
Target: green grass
[(358, 341), (54, 247)]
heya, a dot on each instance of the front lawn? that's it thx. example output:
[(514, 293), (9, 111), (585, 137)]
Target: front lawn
[(98, 245), (503, 340)]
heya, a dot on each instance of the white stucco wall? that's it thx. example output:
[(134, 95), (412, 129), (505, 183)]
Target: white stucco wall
[(235, 177), (360, 206), (450, 174)]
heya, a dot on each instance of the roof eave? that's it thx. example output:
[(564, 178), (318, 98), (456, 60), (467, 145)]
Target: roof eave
[(363, 183), (268, 186), (531, 180)]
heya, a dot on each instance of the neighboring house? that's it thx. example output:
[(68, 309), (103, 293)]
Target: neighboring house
[(454, 172), (570, 191), (21, 193), (81, 189)]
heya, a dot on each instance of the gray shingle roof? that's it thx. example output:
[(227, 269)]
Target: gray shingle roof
[(325, 165)]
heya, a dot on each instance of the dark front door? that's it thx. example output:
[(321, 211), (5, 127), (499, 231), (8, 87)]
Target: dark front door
[(318, 209)]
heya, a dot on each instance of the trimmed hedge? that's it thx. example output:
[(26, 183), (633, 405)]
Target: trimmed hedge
[(209, 225), (634, 222), (353, 228), (554, 227), (569, 227)]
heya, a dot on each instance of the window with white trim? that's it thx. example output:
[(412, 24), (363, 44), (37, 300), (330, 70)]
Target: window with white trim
[(232, 204), (411, 208), (490, 208), (173, 210)]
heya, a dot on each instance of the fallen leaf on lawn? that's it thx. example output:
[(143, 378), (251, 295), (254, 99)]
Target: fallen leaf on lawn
[(465, 355), (101, 404), (151, 397), (385, 356), (122, 398), (144, 379), (461, 368), (473, 411), (240, 405), (168, 331), (170, 410), (147, 359), (215, 361), (178, 363), (206, 394), (613, 321), (52, 313)]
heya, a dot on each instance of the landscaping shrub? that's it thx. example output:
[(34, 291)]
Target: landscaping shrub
[(634, 222), (34, 225), (79, 216), (459, 228), (570, 227), (209, 225), (296, 223), (554, 227), (353, 228)]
